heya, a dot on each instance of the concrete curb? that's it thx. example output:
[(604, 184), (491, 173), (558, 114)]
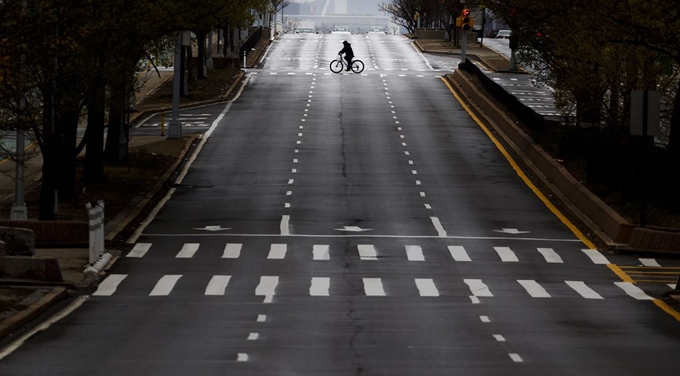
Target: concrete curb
[(18, 320)]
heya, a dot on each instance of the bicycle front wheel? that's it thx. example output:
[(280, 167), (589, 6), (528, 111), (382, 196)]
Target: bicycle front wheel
[(336, 66), (357, 66)]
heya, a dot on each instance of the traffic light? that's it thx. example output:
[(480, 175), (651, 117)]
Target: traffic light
[(466, 22)]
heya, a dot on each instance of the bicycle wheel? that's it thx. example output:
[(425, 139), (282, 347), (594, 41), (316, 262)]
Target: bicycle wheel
[(336, 66), (357, 66)]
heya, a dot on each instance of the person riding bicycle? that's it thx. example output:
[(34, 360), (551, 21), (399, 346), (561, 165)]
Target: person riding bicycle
[(349, 54)]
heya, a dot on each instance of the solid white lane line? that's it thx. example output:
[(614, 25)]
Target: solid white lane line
[(649, 262), (109, 285), (165, 285), (414, 253), (633, 291), (426, 287), (516, 358), (367, 252), (438, 225), (139, 250), (506, 254), (232, 251), (533, 288), (478, 288), (267, 286), (320, 286), (253, 336), (261, 318), (458, 253), (583, 290), (217, 285), (284, 225), (484, 319), (242, 357), (596, 256), (188, 250), (321, 252), (373, 287), (550, 256), (277, 251), (499, 338)]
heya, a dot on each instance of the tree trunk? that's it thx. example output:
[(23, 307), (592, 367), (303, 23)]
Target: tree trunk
[(117, 107), (202, 37), (93, 170), (674, 134)]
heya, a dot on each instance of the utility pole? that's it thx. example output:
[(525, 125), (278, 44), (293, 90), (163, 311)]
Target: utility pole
[(175, 126)]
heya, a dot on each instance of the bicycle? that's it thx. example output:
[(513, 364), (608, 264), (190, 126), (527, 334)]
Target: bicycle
[(339, 64)]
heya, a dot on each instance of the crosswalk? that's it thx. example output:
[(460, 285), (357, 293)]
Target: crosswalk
[(375, 286), (370, 252)]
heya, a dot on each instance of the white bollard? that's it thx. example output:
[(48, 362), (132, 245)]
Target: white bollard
[(96, 235)]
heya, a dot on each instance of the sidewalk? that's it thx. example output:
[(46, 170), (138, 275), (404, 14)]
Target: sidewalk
[(489, 58)]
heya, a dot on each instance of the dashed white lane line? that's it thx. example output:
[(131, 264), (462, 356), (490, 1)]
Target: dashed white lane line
[(165, 285), (474, 299), (533, 288), (373, 287), (367, 252), (506, 254), (277, 252), (438, 226), (426, 287), (478, 288), (484, 319), (109, 285), (253, 336), (583, 290), (633, 291), (459, 254), (139, 250), (188, 250), (414, 253), (499, 338), (320, 286), (232, 251), (596, 256), (217, 285), (321, 252), (242, 357), (550, 256), (261, 318), (284, 225)]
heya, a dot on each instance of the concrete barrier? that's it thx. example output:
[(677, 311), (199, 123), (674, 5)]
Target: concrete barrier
[(430, 34), (614, 229), (52, 233), (42, 269)]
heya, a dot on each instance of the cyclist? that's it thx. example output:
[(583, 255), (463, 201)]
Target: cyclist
[(349, 54)]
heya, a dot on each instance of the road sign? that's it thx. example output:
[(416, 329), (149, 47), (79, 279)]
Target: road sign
[(644, 112)]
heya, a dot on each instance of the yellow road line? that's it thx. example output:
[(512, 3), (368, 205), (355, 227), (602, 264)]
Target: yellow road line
[(614, 268), (521, 173)]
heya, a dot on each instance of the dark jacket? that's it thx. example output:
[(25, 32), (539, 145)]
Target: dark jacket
[(347, 50)]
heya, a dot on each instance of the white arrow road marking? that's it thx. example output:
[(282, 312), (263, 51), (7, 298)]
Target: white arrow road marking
[(513, 231), (353, 229), (212, 228)]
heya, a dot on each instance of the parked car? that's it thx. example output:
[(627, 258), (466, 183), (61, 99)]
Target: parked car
[(503, 34)]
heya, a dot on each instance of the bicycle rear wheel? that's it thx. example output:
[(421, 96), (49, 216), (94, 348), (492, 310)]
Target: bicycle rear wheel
[(336, 66), (357, 66)]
